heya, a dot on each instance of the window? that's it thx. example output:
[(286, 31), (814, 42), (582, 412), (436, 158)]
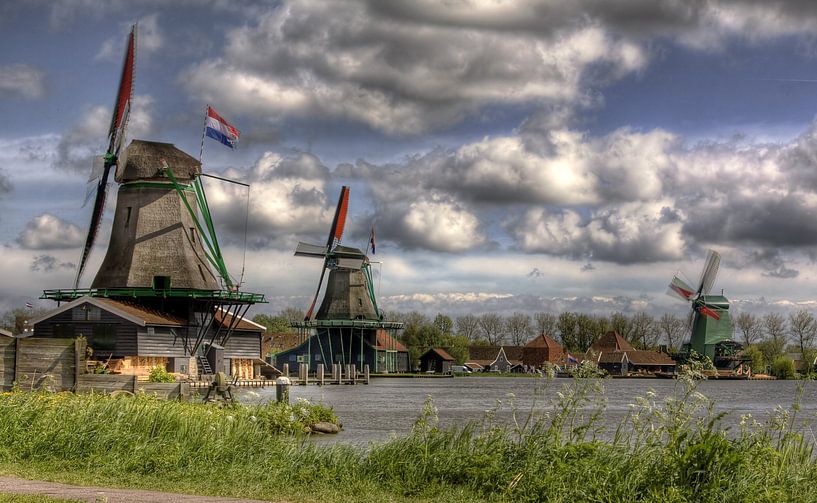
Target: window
[(151, 330), (103, 338), (193, 235), (161, 282), (317, 357), (127, 215)]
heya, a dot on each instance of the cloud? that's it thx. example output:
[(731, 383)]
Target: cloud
[(21, 81), (48, 232), (626, 234), (401, 76), (149, 40), (5, 184), (87, 137), (49, 263), (288, 201)]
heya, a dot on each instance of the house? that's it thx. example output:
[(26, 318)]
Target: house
[(541, 350), (614, 354), (338, 343), (436, 360), (496, 358), (132, 337)]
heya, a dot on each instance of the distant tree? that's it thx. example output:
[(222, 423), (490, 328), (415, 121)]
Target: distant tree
[(413, 319), (672, 330), (643, 333), (16, 320), (774, 326), (491, 328), (457, 347), (803, 330), (783, 368), (292, 314), (468, 327), (620, 323), (546, 323), (518, 327), (588, 329), (444, 324), (274, 324), (755, 356), (749, 328), (566, 325)]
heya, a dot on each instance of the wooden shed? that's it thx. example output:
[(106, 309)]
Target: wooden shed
[(436, 360), (614, 354)]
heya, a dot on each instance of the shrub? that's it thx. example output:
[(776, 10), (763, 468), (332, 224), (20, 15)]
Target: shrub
[(160, 374), (783, 368)]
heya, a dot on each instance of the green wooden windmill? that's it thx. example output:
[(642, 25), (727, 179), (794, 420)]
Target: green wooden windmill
[(709, 319)]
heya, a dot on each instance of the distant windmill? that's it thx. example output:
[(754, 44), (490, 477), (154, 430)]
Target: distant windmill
[(709, 315), (349, 293), (116, 137)]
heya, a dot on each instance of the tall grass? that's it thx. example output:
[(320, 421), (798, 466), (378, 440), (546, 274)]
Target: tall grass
[(673, 450)]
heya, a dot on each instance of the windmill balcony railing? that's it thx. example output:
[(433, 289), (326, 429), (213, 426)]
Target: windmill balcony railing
[(393, 325), (191, 293)]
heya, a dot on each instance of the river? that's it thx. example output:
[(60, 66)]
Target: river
[(389, 406)]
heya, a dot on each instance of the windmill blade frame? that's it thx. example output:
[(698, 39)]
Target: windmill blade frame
[(709, 272), (116, 135), (339, 222)]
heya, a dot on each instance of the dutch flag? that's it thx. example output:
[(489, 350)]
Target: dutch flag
[(220, 130)]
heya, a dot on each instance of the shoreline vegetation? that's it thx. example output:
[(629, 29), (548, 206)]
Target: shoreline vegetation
[(671, 450)]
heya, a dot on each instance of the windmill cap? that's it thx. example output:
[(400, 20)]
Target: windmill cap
[(143, 160)]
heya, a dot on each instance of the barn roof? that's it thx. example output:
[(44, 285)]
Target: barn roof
[(130, 311), (612, 341), (5, 332), (225, 319), (441, 353), (387, 342), (543, 341)]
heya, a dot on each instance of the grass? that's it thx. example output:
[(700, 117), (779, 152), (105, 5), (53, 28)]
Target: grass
[(673, 450), (32, 498)]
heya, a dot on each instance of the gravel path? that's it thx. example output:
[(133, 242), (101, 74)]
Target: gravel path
[(103, 494)]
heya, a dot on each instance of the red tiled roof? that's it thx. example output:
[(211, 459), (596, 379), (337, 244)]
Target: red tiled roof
[(386, 341), (611, 341), (543, 341), (443, 354), (637, 357), (148, 315)]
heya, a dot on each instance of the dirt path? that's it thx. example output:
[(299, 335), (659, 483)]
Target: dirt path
[(103, 494)]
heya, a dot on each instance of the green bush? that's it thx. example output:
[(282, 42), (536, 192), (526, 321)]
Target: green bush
[(783, 368), (160, 374)]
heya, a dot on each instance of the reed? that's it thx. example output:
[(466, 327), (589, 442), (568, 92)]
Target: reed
[(673, 450)]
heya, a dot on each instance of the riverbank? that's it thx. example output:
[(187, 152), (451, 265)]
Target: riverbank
[(670, 450)]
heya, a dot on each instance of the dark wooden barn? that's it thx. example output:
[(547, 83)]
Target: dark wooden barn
[(133, 337), (436, 360), (542, 350), (614, 354), (496, 358)]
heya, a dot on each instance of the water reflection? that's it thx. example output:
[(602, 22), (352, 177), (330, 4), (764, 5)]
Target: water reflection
[(389, 407)]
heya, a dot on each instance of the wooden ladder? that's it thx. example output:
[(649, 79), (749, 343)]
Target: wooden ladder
[(204, 366)]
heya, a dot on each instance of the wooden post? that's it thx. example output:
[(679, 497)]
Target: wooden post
[(353, 373), (303, 374), (282, 389), (340, 374), (366, 373), (320, 374), (78, 349), (134, 384), (286, 370), (15, 377)]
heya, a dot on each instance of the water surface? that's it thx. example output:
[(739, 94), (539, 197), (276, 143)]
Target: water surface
[(388, 407)]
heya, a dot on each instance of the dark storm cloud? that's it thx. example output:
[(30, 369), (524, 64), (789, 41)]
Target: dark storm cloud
[(784, 221), (49, 263)]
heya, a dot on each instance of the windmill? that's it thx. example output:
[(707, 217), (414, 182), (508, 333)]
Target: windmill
[(348, 328), (163, 248), (116, 137), (709, 314), (349, 292)]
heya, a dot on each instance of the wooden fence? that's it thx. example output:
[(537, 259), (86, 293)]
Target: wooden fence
[(54, 364)]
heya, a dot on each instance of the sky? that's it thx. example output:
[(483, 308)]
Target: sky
[(528, 155)]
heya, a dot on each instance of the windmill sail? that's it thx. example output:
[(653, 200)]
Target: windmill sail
[(116, 136), (710, 272), (679, 287)]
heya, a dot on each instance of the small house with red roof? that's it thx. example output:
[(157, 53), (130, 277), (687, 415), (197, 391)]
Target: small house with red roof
[(436, 360), (496, 358), (612, 353)]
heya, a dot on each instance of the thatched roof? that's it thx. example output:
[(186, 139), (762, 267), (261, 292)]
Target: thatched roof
[(544, 341), (142, 160)]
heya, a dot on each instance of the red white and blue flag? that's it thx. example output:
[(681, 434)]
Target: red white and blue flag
[(371, 241), (572, 359), (219, 129)]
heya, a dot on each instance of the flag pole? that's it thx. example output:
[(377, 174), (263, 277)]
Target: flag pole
[(203, 133)]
